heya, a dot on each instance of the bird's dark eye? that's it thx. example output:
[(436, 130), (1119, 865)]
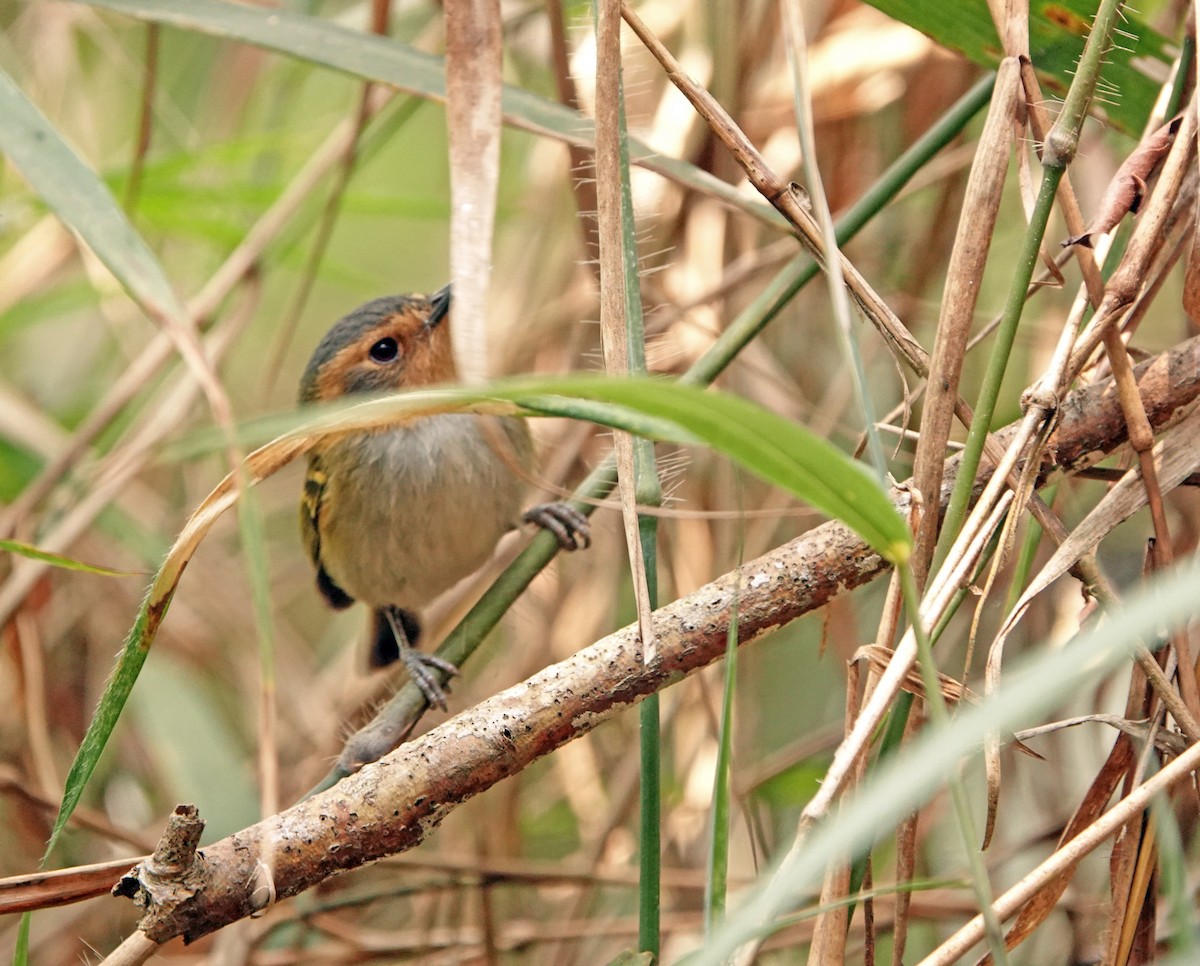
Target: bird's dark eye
[(385, 350)]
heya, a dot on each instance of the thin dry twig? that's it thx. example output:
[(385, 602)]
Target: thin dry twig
[(785, 198)]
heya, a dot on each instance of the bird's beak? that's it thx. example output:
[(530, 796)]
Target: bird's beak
[(439, 307)]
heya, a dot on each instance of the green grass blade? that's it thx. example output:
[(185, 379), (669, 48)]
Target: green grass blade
[(77, 195), (650, 825), (382, 59), (21, 949), (58, 560), (777, 449), (717, 880), (104, 720), (1057, 32)]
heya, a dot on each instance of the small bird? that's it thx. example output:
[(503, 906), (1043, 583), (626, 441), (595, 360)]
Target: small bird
[(393, 517)]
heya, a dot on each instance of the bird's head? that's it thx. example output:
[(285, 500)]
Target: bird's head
[(395, 342)]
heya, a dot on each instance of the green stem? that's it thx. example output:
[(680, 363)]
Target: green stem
[(939, 717), (647, 493), (717, 879), (802, 269), (1063, 138)]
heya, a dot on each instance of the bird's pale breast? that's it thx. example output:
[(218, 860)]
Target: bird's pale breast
[(429, 502)]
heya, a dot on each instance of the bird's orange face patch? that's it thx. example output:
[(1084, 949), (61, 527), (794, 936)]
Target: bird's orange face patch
[(399, 352)]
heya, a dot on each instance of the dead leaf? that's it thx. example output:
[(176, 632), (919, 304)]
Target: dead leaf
[(1128, 187), (879, 657)]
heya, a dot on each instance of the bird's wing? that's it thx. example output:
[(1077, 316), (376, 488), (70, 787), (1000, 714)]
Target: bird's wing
[(310, 508), (310, 530)]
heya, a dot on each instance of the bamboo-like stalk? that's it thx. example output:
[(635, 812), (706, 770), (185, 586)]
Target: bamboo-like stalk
[(623, 338)]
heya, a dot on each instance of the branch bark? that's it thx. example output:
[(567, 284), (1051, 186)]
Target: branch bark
[(389, 806)]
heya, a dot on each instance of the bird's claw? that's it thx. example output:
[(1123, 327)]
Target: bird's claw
[(569, 526), (421, 668)]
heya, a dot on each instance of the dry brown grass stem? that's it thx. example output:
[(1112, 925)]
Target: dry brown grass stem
[(474, 58), (581, 159), (960, 294), (614, 324)]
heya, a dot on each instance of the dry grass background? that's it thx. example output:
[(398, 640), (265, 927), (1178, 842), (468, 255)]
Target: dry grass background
[(540, 868)]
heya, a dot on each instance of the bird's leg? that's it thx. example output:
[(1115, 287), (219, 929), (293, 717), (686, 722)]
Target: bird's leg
[(420, 666), (569, 526)]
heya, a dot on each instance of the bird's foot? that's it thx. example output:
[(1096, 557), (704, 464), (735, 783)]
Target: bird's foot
[(423, 668), (569, 526)]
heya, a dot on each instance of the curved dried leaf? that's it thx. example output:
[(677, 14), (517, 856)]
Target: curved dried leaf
[(775, 448), (879, 657), (1128, 186)]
